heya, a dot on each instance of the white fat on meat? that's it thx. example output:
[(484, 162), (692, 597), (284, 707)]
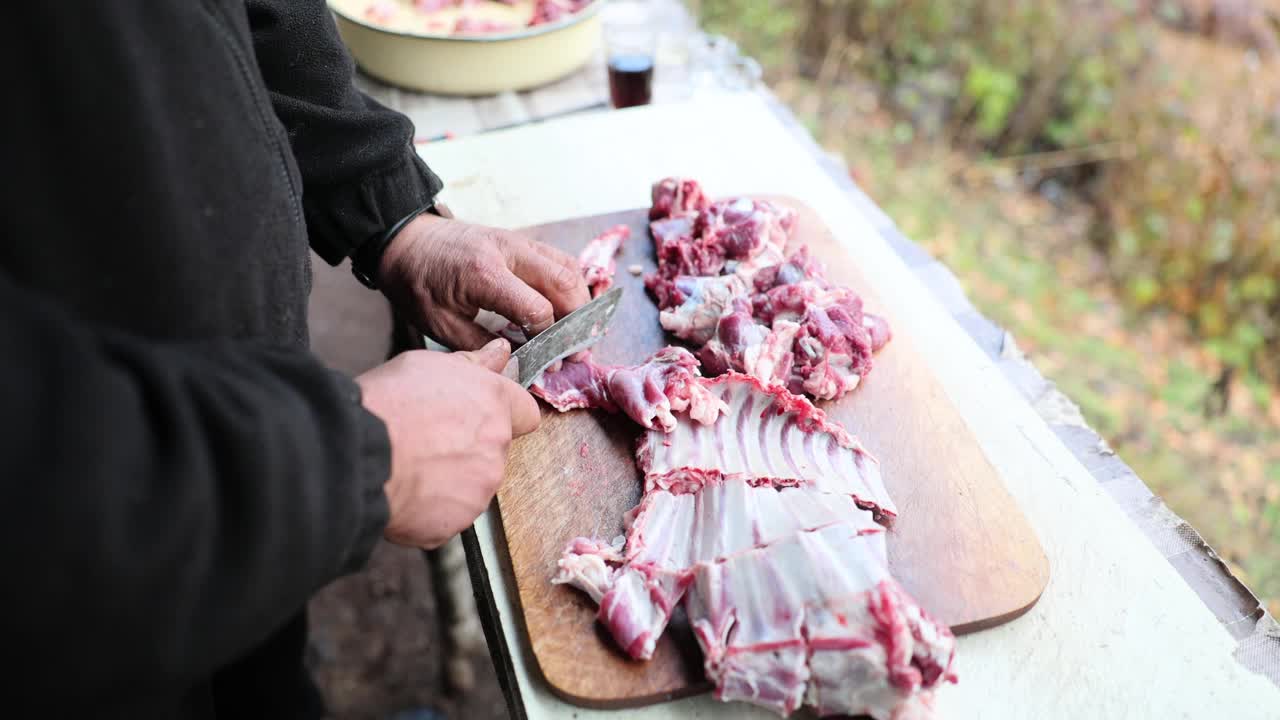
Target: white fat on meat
[(768, 436), (589, 565), (676, 531), (597, 258)]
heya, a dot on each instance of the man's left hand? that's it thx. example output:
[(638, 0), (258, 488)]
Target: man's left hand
[(441, 272)]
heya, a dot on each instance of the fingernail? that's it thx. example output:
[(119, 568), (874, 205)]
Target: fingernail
[(495, 344)]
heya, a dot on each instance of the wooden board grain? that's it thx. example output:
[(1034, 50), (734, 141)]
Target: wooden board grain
[(960, 545)]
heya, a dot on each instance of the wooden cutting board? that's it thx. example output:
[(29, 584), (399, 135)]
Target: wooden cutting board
[(960, 545)]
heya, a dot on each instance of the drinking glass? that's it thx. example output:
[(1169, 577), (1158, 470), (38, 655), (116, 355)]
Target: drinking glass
[(630, 42)]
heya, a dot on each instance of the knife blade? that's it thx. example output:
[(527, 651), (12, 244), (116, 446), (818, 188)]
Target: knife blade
[(572, 333)]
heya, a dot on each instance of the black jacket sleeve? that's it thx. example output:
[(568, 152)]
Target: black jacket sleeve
[(360, 173), (168, 505)]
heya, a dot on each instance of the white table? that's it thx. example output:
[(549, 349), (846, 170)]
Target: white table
[(1117, 634)]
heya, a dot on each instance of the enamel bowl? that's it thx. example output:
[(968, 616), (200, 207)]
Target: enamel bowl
[(472, 64)]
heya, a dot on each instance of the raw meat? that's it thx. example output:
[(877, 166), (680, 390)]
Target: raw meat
[(672, 229), (479, 26), (676, 196), (381, 11), (758, 512), (430, 6), (546, 11), (728, 235), (743, 228), (767, 437), (686, 255), (695, 305), (674, 531), (671, 534), (589, 565), (649, 393), (762, 525), (724, 283), (576, 383), (597, 258), (816, 619), (740, 344)]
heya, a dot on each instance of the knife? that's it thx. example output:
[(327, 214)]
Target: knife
[(572, 333)]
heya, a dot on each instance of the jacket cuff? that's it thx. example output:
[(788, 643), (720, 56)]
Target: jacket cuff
[(341, 218), (369, 499)]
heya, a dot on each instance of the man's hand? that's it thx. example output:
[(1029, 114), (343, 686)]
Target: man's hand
[(440, 272), (451, 418)]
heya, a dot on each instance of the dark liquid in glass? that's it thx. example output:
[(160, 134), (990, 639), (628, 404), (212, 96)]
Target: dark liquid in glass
[(630, 80)]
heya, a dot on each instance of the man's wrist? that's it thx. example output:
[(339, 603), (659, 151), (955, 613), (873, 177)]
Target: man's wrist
[(400, 249), (366, 261)]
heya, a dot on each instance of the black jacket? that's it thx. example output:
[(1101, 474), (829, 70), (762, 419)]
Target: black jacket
[(179, 473)]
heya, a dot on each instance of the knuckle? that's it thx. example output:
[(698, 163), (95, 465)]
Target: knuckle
[(541, 313), (567, 279), (476, 266)]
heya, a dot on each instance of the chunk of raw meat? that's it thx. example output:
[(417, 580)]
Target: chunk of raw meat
[(638, 607), (767, 437), (834, 346), (789, 301), (666, 383), (800, 266), (740, 235), (576, 383), (701, 302), (478, 26), (430, 6), (675, 196), (816, 619), (545, 11), (589, 565), (649, 393), (743, 228), (381, 11), (597, 258), (704, 259), (740, 344), (691, 256), (673, 229)]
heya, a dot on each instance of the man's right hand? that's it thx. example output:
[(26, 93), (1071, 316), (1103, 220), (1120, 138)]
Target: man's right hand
[(450, 417)]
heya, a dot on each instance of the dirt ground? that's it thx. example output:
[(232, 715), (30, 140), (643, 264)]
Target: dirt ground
[(376, 648), (375, 643)]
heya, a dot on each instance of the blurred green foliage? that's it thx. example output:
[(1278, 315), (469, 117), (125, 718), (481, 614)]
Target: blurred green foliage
[(1193, 221), (1173, 137)]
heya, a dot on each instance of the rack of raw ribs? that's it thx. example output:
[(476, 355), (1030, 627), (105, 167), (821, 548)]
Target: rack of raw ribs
[(761, 515)]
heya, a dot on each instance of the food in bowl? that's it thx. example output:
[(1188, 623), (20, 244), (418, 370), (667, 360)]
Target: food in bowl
[(459, 17)]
